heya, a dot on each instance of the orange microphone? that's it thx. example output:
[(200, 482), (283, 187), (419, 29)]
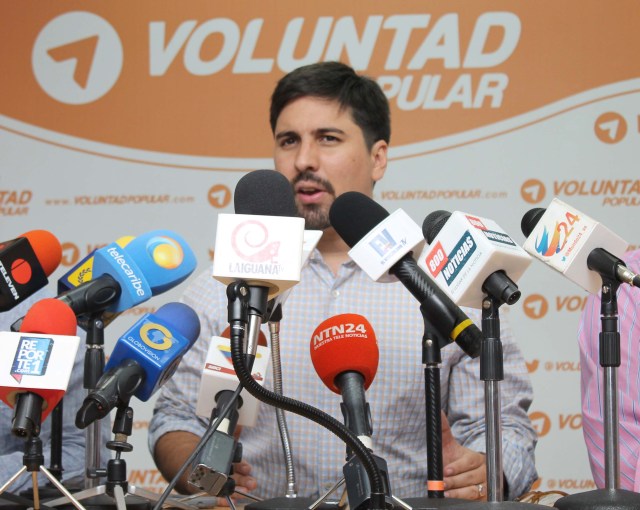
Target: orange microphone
[(344, 352), (25, 264)]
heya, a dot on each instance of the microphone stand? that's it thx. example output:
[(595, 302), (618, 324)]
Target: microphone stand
[(93, 370), (26, 423), (432, 343), (611, 497), (499, 289)]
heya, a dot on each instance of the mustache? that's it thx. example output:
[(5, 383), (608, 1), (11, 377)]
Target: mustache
[(310, 176)]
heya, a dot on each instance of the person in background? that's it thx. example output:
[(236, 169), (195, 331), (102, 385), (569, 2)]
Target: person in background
[(73, 438), (591, 374), (331, 131)]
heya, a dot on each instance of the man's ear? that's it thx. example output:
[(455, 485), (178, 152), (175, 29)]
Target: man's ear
[(379, 158)]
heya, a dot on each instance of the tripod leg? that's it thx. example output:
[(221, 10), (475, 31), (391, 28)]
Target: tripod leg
[(36, 493), (151, 496), (321, 499), (118, 494), (230, 502), (84, 494), (12, 479), (61, 488)]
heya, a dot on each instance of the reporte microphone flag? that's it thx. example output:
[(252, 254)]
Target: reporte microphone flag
[(39, 359), (464, 251), (572, 243), (359, 221), (25, 264), (143, 359)]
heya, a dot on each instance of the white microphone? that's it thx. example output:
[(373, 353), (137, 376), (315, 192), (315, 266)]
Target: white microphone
[(36, 364), (262, 243), (466, 253), (576, 245), (219, 375)]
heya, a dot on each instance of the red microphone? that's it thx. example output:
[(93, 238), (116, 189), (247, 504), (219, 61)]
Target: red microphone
[(35, 372), (25, 264), (344, 352)]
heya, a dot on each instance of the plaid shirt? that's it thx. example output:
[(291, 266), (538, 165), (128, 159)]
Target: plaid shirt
[(396, 395)]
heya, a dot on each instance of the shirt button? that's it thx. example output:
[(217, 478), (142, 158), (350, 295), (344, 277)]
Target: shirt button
[(336, 293)]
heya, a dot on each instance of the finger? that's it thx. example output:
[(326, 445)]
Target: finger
[(467, 478), (467, 462), (471, 492)]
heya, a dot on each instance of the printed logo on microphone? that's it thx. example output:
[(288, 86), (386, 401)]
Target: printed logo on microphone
[(32, 357), (127, 269), (77, 58), (156, 336), (385, 245), (250, 241), (553, 239), (533, 191), (450, 265), (165, 252), (225, 351)]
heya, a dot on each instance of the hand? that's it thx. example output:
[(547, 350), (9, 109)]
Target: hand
[(244, 481), (465, 471)]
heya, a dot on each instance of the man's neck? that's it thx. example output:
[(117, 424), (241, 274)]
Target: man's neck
[(334, 249)]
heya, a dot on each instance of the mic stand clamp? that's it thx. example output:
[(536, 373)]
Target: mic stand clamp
[(33, 460)]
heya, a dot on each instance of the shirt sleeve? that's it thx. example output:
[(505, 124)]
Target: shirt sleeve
[(465, 409), (175, 408)]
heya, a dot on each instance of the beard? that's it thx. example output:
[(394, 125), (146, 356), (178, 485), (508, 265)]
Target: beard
[(316, 217)]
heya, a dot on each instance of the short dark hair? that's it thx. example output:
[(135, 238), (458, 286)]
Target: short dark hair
[(337, 81)]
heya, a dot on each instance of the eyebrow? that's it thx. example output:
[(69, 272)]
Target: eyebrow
[(319, 131)]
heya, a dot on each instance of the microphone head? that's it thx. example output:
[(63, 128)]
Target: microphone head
[(164, 258), (183, 319), (354, 204), (345, 342), (433, 223), (530, 220), (46, 247), (50, 317), (265, 193)]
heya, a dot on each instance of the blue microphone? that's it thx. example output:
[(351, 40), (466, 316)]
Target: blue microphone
[(143, 359)]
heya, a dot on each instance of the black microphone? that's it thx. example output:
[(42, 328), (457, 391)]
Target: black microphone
[(353, 215)]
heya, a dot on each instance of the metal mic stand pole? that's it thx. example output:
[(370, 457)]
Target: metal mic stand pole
[(499, 289), (93, 369), (611, 497)]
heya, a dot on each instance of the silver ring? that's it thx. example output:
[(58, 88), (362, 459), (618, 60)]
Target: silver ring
[(480, 489)]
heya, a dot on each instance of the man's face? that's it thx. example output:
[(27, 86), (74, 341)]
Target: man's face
[(322, 152)]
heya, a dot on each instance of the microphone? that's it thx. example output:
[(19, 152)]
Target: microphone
[(123, 277), (576, 245), (25, 264), (82, 272), (344, 353), (262, 243), (469, 256), (34, 379), (359, 221), (143, 359)]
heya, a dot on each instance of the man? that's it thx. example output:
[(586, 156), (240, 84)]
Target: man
[(331, 130), (628, 384)]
